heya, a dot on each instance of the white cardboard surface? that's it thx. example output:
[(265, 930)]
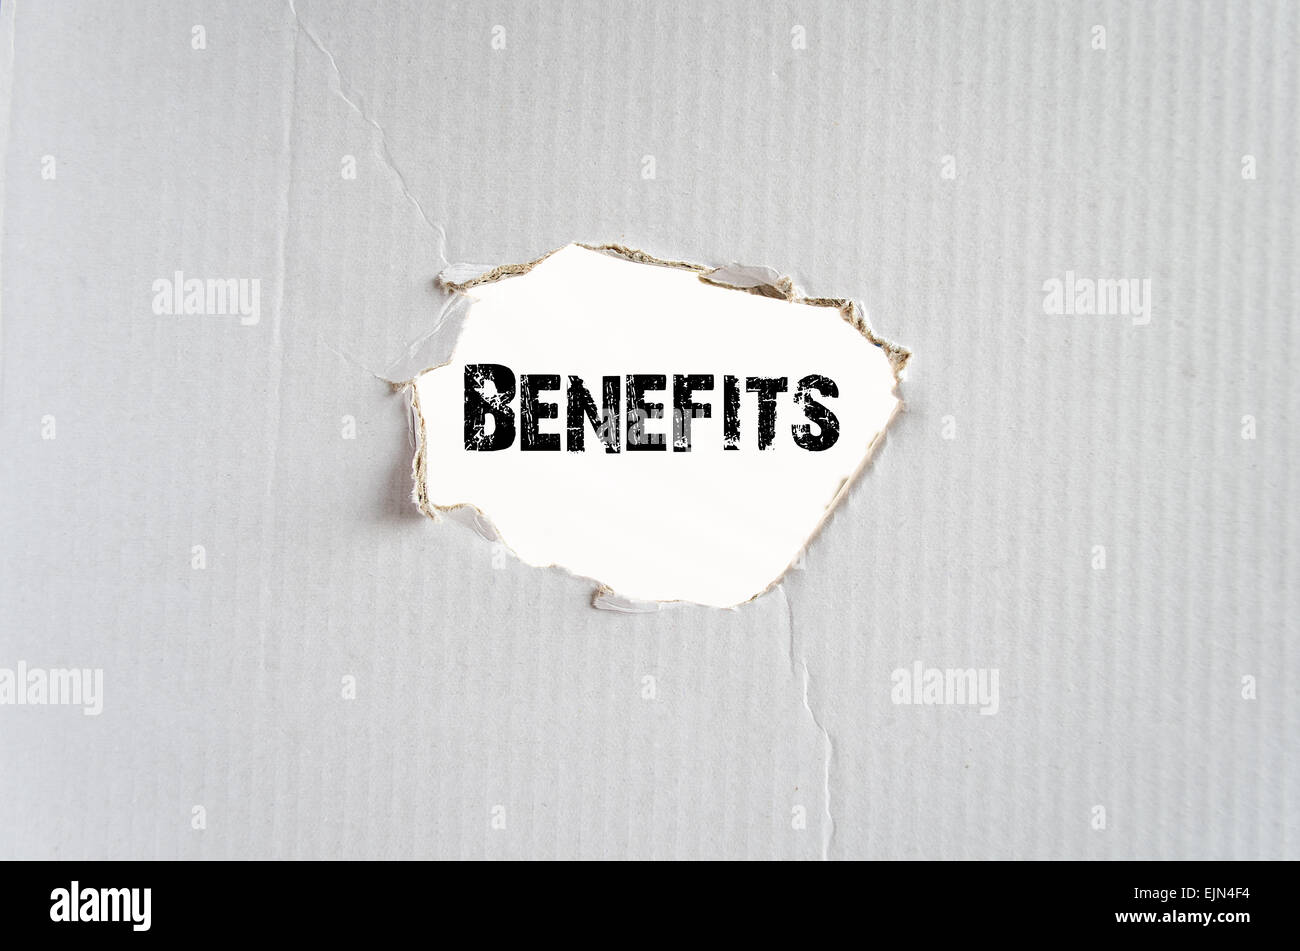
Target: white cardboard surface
[(485, 688)]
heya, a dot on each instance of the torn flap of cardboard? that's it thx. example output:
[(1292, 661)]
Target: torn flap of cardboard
[(676, 433)]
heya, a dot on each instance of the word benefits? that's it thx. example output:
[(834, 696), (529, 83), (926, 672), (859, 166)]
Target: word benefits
[(491, 424)]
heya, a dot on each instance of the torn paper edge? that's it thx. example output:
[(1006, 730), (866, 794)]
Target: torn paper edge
[(750, 279)]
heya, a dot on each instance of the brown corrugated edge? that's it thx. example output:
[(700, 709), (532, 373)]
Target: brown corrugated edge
[(781, 289)]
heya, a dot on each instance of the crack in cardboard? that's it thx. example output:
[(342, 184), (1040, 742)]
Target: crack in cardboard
[(826, 775), (826, 737), (789, 620), (384, 152)]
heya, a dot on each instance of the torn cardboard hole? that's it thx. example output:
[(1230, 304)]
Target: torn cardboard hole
[(676, 433)]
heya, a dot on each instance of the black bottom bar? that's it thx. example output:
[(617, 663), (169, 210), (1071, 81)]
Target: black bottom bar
[(1217, 901)]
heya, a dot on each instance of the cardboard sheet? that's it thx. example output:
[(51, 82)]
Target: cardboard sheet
[(215, 512)]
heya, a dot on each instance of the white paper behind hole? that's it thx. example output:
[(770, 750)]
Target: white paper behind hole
[(707, 526)]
